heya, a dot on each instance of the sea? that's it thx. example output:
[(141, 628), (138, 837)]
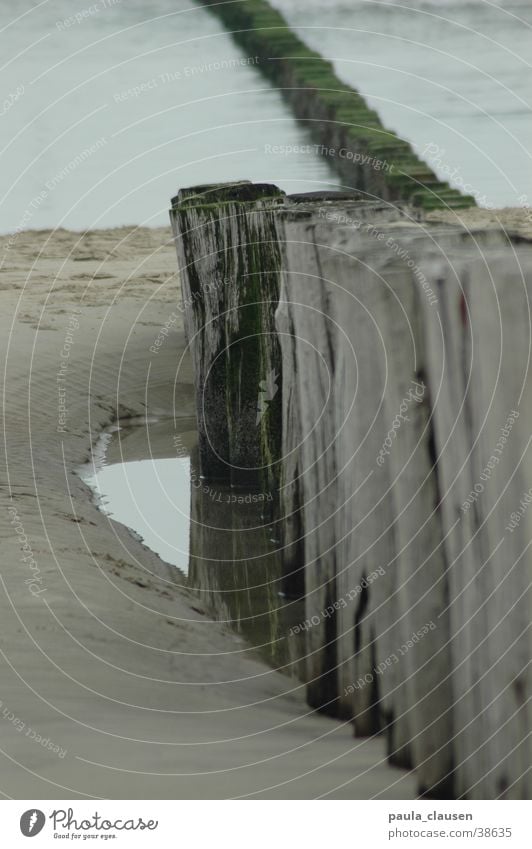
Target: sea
[(107, 108)]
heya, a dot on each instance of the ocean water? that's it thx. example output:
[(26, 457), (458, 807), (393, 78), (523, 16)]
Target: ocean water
[(109, 107), (450, 76), (118, 108)]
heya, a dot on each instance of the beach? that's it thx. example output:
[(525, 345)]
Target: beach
[(265, 283), (117, 683)]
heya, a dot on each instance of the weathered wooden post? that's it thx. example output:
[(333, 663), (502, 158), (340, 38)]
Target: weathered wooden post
[(355, 317), (229, 262), (479, 363)]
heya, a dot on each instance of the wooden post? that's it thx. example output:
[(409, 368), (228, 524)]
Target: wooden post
[(229, 263), (367, 301), (479, 360)]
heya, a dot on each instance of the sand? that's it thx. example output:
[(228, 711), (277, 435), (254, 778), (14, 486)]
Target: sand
[(116, 682), (515, 221)]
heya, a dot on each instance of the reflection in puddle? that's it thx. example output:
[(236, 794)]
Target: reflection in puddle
[(222, 538), (236, 568), (137, 486), (152, 497)]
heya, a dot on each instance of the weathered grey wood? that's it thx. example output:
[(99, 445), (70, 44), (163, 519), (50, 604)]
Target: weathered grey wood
[(432, 689), (228, 259), (416, 616), (313, 480), (344, 420), (482, 371), (291, 528), (500, 378), (421, 585), (373, 308)]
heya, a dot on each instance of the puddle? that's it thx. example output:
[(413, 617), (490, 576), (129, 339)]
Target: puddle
[(149, 495), (224, 540)]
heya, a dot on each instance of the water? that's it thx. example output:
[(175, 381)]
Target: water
[(450, 76), (118, 111), (151, 496), (224, 542), (236, 568), (106, 116)]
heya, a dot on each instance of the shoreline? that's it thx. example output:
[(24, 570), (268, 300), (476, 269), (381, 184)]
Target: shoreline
[(115, 662)]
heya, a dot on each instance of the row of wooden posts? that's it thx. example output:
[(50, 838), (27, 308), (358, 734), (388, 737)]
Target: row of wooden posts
[(371, 370)]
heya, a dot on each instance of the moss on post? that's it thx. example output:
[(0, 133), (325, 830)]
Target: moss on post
[(229, 260)]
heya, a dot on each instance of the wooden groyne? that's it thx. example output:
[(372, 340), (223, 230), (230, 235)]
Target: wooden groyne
[(349, 134), (398, 454)]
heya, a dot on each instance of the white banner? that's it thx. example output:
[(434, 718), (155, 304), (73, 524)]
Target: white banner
[(261, 825)]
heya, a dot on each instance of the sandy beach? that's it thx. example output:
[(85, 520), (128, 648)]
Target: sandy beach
[(116, 682), (294, 563)]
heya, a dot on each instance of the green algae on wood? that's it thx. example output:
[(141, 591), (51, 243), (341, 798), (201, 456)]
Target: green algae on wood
[(229, 262)]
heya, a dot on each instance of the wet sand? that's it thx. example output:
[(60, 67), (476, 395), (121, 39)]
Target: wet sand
[(515, 220), (115, 681)]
